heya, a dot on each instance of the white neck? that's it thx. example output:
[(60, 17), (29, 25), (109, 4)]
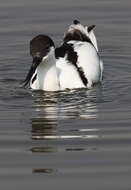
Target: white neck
[(47, 78)]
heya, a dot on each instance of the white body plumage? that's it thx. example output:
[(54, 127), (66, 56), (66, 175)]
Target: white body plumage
[(75, 64), (88, 60)]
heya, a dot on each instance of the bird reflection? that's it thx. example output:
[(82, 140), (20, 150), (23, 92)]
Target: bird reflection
[(43, 127), (52, 122), (44, 149), (45, 121), (45, 170), (53, 109)]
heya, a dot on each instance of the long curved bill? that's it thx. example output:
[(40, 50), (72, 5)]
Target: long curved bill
[(35, 63)]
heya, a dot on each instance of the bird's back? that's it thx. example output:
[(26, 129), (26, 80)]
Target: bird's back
[(77, 64)]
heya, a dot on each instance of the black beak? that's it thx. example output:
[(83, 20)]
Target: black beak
[(35, 63)]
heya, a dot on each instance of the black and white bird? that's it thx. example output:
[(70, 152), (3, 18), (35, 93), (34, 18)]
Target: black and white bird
[(75, 64)]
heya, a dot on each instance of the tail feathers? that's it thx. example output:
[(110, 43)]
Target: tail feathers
[(93, 39), (92, 35)]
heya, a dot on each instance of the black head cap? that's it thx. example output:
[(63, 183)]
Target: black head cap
[(76, 22), (40, 45)]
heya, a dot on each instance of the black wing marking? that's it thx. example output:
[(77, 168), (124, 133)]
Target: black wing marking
[(68, 51)]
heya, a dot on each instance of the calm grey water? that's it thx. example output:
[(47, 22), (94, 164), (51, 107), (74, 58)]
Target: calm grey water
[(76, 139)]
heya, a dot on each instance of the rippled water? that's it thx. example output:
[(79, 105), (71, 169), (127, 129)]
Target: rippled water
[(79, 139)]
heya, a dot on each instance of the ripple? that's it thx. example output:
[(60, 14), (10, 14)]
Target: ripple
[(44, 170), (65, 137)]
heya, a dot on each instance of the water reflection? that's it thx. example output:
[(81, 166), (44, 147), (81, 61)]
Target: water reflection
[(53, 109), (43, 127), (44, 149), (44, 170), (52, 121), (67, 105)]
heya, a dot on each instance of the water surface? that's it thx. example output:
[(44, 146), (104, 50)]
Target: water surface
[(79, 139)]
